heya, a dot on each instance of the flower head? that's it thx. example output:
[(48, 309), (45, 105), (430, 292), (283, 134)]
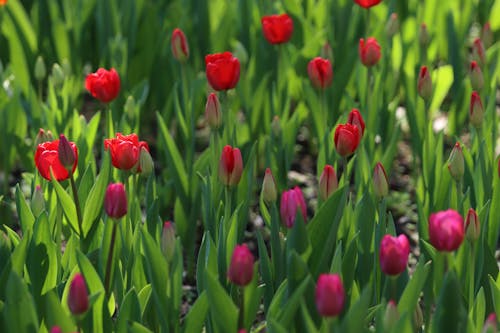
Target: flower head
[(269, 190), (103, 84), (223, 70), (380, 181), (476, 110), (125, 150), (328, 182), (290, 201), (346, 139), (472, 226), (446, 230), (369, 51), (330, 295), (240, 270), (277, 29), (356, 119), (230, 166), (424, 84), (179, 45), (78, 297), (367, 3), (320, 72), (394, 253), (47, 157), (115, 201)]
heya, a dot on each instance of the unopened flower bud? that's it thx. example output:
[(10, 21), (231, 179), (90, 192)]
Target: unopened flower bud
[(490, 325), (423, 36), (472, 226), (37, 202), (476, 110), (487, 35), (328, 182), (380, 181), (276, 126), (42, 136), (168, 240), (392, 25), (240, 270), (146, 164), (269, 192), (369, 51), (213, 111), (66, 153), (40, 69), (78, 297), (115, 201), (476, 76), (424, 84), (456, 163), (66, 67), (391, 315), (129, 107), (57, 75), (230, 166), (179, 45), (326, 52), (56, 329), (330, 295), (478, 52)]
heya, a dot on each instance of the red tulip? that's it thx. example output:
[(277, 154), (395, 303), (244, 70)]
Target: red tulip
[(476, 76), (290, 201), (277, 29), (115, 201), (179, 45), (212, 111), (320, 72), (125, 150), (78, 297), (369, 51), (394, 253), (446, 230), (472, 226), (330, 295), (241, 267), (478, 51), (476, 110), (230, 166), (327, 182), (367, 3), (223, 70), (356, 119), (55, 329), (47, 157), (3, 2), (380, 181), (103, 85), (346, 139), (424, 83)]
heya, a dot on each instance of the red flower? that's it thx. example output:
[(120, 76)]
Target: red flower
[(367, 3), (320, 72), (328, 182), (277, 29), (47, 157), (78, 297), (356, 119), (446, 230), (476, 110), (3, 2), (346, 139), (115, 201), (103, 85), (290, 201), (179, 45), (125, 150), (330, 295), (472, 226), (223, 70), (394, 253), (241, 267), (424, 83), (230, 166), (369, 51)]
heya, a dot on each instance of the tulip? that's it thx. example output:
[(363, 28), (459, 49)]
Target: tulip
[(47, 158), (369, 51), (56, 329), (78, 297), (380, 181), (103, 84), (37, 202), (476, 110), (330, 295), (277, 29), (115, 201), (346, 139), (213, 111), (269, 190), (394, 253), (290, 201), (3, 2), (125, 150), (241, 267), (40, 69), (320, 72), (67, 155), (391, 315), (146, 163), (43, 136), (456, 163), (490, 325), (423, 36), (392, 25), (57, 75), (478, 51), (168, 240), (328, 182), (424, 84), (472, 226), (222, 70), (367, 3), (487, 35), (179, 45), (230, 166), (356, 119), (446, 230), (476, 76)]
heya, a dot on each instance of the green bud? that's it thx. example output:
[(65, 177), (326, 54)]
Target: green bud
[(40, 69), (456, 163), (37, 202), (57, 75)]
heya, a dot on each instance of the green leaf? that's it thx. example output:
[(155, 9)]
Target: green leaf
[(195, 318), (19, 310), (355, 319), (26, 218), (67, 204), (223, 311), (54, 313), (450, 315), (130, 310), (411, 293)]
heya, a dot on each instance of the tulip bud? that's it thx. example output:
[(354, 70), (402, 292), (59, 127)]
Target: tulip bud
[(478, 51), (40, 69), (456, 164), (129, 107), (369, 51), (423, 36), (230, 166), (57, 75), (424, 84), (472, 226), (66, 67), (446, 230), (146, 164), (179, 44), (476, 110), (241, 267), (56, 329), (290, 201), (42, 137), (213, 111), (276, 126), (356, 119), (115, 201), (476, 76), (392, 25), (487, 35), (490, 325), (380, 181), (330, 295), (327, 182), (78, 297), (326, 52), (269, 192), (168, 240), (346, 139), (391, 315), (37, 202), (66, 153), (320, 72), (394, 252)]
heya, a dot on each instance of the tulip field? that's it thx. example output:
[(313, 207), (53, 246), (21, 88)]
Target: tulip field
[(306, 166)]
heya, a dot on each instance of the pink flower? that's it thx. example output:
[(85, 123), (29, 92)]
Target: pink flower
[(290, 201), (115, 201), (78, 297), (330, 295), (241, 267), (328, 182), (446, 230), (394, 253)]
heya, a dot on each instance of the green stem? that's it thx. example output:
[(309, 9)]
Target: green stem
[(367, 27), (472, 275), (77, 204), (458, 185), (241, 319), (109, 262)]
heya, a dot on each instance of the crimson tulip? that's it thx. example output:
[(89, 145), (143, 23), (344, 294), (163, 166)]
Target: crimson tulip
[(230, 166), (78, 296), (394, 253), (103, 84), (222, 70), (115, 201), (346, 139), (320, 72), (356, 119), (47, 157), (277, 29), (290, 201), (367, 3), (240, 270), (125, 150), (369, 51), (446, 230), (330, 295), (179, 45)]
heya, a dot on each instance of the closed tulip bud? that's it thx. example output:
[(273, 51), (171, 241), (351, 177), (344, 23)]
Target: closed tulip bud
[(78, 297), (330, 295), (276, 126), (392, 25), (67, 155), (476, 110), (320, 72), (356, 119), (394, 252), (367, 3), (456, 164), (168, 240), (472, 226), (179, 45), (476, 76), (40, 69), (369, 51), (56, 329), (346, 139), (57, 75), (391, 316), (241, 267), (424, 84), (380, 181), (478, 52), (328, 182), (130, 107), (37, 202), (423, 36), (43, 136), (230, 166), (446, 230), (490, 325), (115, 201), (326, 52), (146, 164), (66, 67), (487, 35), (213, 111), (292, 200), (269, 191)]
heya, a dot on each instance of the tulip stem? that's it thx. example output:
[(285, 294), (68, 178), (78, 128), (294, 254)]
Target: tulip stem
[(109, 262), (471, 275), (241, 318), (458, 185), (77, 204)]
